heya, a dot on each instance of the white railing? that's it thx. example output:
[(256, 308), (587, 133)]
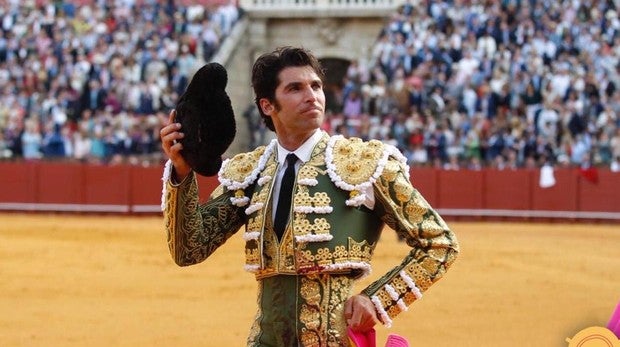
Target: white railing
[(343, 8)]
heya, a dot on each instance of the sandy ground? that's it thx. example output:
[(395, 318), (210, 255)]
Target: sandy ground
[(109, 281)]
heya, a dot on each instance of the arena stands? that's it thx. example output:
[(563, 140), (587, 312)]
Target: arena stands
[(454, 84), (93, 81), (502, 84)]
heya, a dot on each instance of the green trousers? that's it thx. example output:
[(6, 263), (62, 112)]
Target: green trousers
[(301, 311)]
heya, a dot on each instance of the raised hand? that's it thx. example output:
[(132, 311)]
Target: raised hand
[(170, 136)]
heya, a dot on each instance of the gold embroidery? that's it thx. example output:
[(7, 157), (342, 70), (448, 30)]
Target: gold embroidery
[(323, 257), (409, 298), (415, 212), (310, 315), (270, 168), (241, 165), (399, 284), (419, 275), (301, 225), (385, 298), (304, 259), (255, 223), (310, 290), (310, 339), (390, 172), (340, 254), (393, 311), (286, 262), (252, 256), (196, 230), (438, 253), (307, 172), (322, 310), (431, 228), (319, 151), (302, 198), (356, 161), (430, 265), (321, 199), (355, 252), (360, 251), (402, 190), (321, 226), (340, 291)]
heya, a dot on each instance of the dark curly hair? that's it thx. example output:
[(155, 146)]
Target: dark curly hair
[(266, 70)]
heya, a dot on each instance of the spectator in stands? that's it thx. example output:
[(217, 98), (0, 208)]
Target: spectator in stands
[(31, 140), (615, 165)]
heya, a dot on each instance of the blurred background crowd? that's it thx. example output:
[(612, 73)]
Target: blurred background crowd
[(453, 84), (95, 82)]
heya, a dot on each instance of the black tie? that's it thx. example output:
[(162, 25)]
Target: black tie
[(284, 199)]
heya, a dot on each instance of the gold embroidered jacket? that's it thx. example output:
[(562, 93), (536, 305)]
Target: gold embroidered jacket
[(330, 230)]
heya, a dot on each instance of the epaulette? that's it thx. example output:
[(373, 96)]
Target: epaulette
[(354, 165), (242, 170)]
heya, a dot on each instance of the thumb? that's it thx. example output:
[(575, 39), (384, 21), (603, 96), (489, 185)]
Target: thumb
[(348, 309)]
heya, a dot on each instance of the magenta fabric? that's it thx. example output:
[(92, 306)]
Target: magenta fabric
[(614, 321)]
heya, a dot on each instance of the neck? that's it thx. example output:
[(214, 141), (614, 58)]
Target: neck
[(293, 141)]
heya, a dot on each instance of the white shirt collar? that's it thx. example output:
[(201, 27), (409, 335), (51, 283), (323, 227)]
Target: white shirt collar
[(304, 151)]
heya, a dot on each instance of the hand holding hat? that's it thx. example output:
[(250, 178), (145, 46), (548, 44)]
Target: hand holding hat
[(207, 119)]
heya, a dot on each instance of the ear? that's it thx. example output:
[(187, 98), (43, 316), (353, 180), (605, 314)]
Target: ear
[(266, 106)]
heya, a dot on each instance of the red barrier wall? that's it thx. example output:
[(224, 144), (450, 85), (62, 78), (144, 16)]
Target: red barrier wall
[(48, 186), (460, 189), (59, 184), (561, 197), (206, 186), (604, 195), (18, 182), (145, 185), (508, 189), (107, 185), (425, 181)]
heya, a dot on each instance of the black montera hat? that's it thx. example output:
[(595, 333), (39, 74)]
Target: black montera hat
[(207, 119)]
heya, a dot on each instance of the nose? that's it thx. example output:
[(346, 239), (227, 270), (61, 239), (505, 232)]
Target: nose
[(312, 94), (309, 94)]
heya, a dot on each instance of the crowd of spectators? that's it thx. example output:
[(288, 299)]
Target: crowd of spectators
[(453, 84), (94, 82), (503, 84)]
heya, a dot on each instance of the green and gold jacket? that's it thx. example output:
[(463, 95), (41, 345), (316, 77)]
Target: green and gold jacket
[(330, 231)]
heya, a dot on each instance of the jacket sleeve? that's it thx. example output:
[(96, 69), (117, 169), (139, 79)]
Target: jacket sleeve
[(196, 230), (434, 246)]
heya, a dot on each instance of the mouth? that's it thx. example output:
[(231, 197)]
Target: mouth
[(313, 108)]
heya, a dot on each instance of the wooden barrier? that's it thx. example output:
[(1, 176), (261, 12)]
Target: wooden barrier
[(425, 181), (560, 197), (460, 189), (508, 189), (72, 187)]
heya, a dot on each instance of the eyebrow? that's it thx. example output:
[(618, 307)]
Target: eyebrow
[(299, 83)]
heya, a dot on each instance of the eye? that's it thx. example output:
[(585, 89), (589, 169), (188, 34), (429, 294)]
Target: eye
[(294, 87)]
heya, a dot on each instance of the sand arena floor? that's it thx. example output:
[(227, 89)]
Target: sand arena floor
[(109, 281)]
